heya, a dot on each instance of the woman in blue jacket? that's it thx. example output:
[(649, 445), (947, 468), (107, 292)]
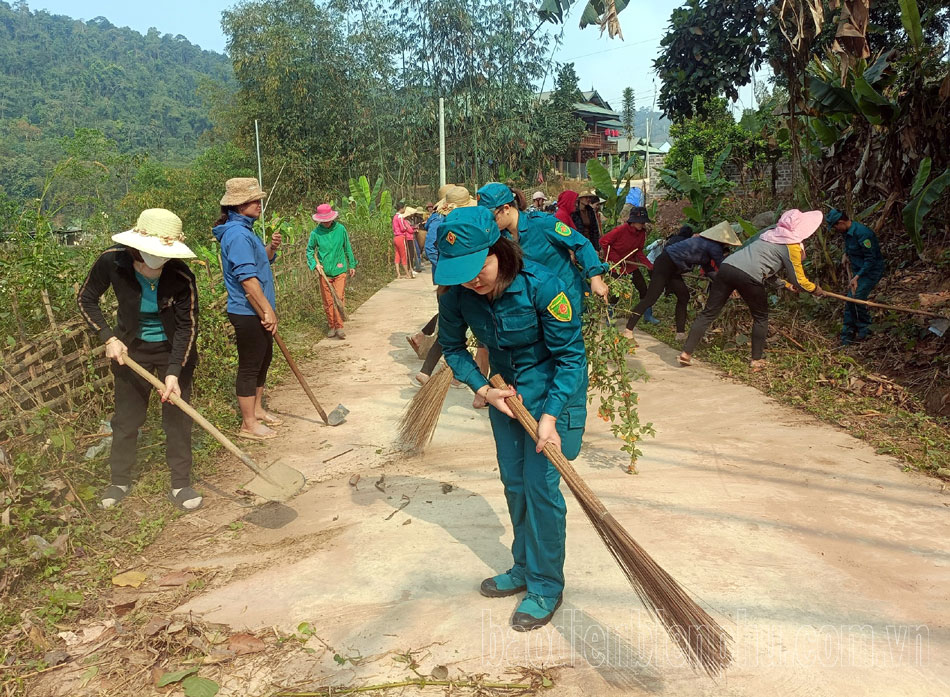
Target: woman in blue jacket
[(522, 313), (706, 250), (251, 306)]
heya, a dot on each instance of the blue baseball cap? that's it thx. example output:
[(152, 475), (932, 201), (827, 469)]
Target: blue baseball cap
[(834, 215), (464, 238), (494, 194)]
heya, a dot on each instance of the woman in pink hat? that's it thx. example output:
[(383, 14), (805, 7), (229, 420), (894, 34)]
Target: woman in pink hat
[(329, 251), (779, 250)]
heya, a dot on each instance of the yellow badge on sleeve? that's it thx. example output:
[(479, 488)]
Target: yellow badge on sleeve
[(560, 308), (450, 238), (562, 229)]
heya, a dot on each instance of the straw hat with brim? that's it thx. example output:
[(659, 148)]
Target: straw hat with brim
[(464, 240), (240, 190), (409, 211), (444, 189), (722, 233), (157, 232), (324, 214), (456, 197)]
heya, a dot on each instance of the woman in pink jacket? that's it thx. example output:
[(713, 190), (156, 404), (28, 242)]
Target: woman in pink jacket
[(402, 236)]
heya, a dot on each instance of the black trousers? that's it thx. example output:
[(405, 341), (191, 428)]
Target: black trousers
[(665, 277), (255, 347), (728, 279), (131, 403)]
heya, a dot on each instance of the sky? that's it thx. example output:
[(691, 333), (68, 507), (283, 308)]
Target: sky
[(607, 65)]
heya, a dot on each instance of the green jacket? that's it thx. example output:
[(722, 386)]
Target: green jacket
[(332, 247)]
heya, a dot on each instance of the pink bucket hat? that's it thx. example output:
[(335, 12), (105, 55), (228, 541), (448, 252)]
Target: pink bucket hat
[(794, 226), (325, 213)]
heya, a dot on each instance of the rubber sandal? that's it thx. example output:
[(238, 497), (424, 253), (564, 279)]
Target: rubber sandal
[(185, 494), (685, 360), (273, 421), (115, 493), (247, 435)]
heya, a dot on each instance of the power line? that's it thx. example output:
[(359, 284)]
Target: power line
[(608, 50)]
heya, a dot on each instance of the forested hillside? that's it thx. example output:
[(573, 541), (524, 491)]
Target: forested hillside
[(59, 74)]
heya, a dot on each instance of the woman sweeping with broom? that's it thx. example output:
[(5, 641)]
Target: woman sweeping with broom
[(522, 313), (547, 241)]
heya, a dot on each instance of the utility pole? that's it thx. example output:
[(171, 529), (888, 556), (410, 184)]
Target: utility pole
[(260, 178), (649, 120), (257, 138), (441, 142)]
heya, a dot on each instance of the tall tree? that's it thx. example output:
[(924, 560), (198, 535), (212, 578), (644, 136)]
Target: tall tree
[(629, 111)]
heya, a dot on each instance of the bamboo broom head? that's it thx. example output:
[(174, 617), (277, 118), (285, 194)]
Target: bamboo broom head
[(421, 416), (703, 641)]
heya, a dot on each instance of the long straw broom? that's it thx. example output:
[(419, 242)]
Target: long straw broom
[(699, 636), (418, 421)]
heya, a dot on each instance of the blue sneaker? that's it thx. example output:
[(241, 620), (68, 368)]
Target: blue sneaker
[(501, 586), (648, 316), (535, 611)]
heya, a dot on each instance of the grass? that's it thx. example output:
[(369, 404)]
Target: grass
[(827, 384), (50, 490)]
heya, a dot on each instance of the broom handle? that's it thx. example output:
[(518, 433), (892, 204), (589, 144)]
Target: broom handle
[(551, 451), (196, 417), (870, 303)]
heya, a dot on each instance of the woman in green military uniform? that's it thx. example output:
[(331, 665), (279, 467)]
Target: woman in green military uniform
[(522, 313), (547, 241)]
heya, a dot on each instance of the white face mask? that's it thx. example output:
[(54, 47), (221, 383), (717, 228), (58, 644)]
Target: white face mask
[(151, 261)]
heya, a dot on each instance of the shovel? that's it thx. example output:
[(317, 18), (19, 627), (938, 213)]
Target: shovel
[(338, 415), (938, 325), (276, 483)]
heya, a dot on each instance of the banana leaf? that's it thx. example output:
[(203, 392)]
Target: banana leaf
[(720, 161), (923, 173), (915, 211)]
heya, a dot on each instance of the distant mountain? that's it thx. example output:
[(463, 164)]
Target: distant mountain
[(59, 74), (659, 126)]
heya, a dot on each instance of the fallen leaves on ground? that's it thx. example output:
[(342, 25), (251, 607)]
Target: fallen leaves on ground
[(129, 578)]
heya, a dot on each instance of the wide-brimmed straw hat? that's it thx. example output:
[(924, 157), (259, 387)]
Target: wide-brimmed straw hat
[(324, 214), (456, 197), (722, 232), (157, 232), (409, 211), (240, 190)]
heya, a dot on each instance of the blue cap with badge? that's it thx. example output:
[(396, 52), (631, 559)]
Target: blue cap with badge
[(464, 238), (494, 194)]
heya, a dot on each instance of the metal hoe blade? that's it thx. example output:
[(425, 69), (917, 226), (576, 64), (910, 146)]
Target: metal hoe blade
[(337, 416), (278, 482)]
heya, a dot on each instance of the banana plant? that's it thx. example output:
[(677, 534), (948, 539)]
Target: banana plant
[(924, 195), (606, 187), (704, 191)]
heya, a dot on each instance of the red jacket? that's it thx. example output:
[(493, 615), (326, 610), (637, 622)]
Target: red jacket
[(620, 242)]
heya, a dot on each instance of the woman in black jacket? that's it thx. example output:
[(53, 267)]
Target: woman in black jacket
[(157, 326)]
